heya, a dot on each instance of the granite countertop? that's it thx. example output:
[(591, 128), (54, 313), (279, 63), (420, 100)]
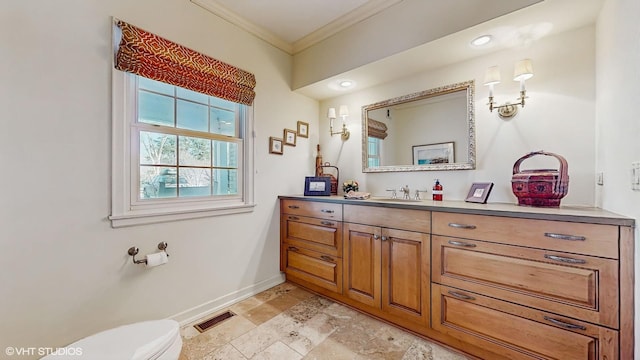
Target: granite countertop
[(563, 213)]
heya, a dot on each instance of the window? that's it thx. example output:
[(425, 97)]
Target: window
[(188, 153), (373, 145)]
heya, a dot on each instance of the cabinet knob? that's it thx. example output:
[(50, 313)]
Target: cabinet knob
[(293, 248), (328, 223), (327, 211), (384, 238), (327, 258), (376, 237), (294, 207)]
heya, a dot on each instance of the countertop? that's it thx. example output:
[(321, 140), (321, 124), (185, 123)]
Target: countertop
[(570, 213)]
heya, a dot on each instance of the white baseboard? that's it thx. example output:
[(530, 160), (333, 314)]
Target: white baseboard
[(213, 306)]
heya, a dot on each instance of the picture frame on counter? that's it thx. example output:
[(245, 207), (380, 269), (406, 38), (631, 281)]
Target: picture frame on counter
[(317, 186), (479, 192)]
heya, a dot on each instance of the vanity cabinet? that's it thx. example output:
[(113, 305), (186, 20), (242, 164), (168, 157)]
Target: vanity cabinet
[(496, 281), (387, 260), (311, 243), (527, 289)]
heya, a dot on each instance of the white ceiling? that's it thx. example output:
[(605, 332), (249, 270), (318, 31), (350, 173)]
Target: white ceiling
[(293, 25)]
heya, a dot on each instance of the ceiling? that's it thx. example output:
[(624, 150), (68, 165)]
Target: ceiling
[(294, 25)]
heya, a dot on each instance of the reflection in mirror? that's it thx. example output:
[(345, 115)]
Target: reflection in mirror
[(427, 130)]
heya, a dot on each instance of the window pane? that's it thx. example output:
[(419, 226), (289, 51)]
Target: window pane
[(225, 182), (223, 122), (225, 154), (155, 109), (224, 104), (192, 116), (191, 95), (157, 182), (195, 151), (156, 86), (157, 149), (197, 182)]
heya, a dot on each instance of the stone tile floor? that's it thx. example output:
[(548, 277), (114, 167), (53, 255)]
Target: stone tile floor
[(289, 323)]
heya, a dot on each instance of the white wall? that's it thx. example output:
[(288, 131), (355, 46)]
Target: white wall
[(618, 125), (64, 272), (559, 117)]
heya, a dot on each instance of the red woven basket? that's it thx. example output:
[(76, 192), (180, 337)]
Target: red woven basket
[(540, 187)]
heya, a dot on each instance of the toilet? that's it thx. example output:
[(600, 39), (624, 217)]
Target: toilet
[(147, 340)]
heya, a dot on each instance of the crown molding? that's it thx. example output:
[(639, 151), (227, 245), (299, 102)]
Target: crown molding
[(361, 13), (264, 34)]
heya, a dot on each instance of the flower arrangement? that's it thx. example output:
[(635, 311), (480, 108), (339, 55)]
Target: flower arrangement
[(349, 185)]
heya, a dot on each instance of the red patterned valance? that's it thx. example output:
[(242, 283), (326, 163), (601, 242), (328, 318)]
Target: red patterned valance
[(376, 129), (156, 58)]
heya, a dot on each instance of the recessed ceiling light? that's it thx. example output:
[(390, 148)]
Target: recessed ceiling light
[(346, 83), (481, 40)]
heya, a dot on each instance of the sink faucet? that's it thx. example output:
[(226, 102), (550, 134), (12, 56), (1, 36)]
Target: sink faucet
[(405, 192)]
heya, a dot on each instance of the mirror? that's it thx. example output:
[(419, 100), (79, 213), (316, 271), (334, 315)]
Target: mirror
[(428, 130)]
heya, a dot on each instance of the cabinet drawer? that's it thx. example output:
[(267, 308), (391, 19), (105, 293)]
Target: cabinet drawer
[(404, 219), (579, 238), (578, 286), (314, 234), (518, 332), (313, 267), (312, 208)]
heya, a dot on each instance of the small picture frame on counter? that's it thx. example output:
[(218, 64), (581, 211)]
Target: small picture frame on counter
[(317, 186), (479, 192)]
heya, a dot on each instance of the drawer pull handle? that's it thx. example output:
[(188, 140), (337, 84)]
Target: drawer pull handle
[(327, 211), (564, 324), (565, 259), (294, 218), (328, 223), (462, 226), (327, 258), (293, 248), (460, 243), (565, 237), (460, 295), (294, 207)]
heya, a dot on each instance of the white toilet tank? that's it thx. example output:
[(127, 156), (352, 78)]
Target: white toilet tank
[(148, 340)]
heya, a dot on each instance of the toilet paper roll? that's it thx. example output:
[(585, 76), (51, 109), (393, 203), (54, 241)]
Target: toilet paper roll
[(157, 259)]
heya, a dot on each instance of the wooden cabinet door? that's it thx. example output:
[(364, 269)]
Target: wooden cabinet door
[(405, 274), (361, 255)]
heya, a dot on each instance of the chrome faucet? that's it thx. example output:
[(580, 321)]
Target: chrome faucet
[(405, 192)]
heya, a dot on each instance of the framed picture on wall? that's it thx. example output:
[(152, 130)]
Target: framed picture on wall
[(439, 153), (303, 129), (290, 137), (275, 146)]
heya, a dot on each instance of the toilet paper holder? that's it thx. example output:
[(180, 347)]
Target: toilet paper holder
[(133, 251)]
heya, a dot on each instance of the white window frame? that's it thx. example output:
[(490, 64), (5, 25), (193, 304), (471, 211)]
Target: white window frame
[(126, 209)]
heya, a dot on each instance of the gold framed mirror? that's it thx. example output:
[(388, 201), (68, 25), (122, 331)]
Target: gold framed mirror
[(428, 130)]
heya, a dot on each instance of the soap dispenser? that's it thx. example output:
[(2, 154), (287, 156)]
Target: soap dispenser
[(437, 191)]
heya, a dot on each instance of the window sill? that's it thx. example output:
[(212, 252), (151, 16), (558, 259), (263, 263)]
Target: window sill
[(139, 218)]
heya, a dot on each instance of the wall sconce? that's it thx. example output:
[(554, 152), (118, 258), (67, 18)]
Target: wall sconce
[(522, 71), (343, 113)]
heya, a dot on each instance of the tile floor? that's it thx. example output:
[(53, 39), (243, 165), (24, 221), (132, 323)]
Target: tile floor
[(289, 323)]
